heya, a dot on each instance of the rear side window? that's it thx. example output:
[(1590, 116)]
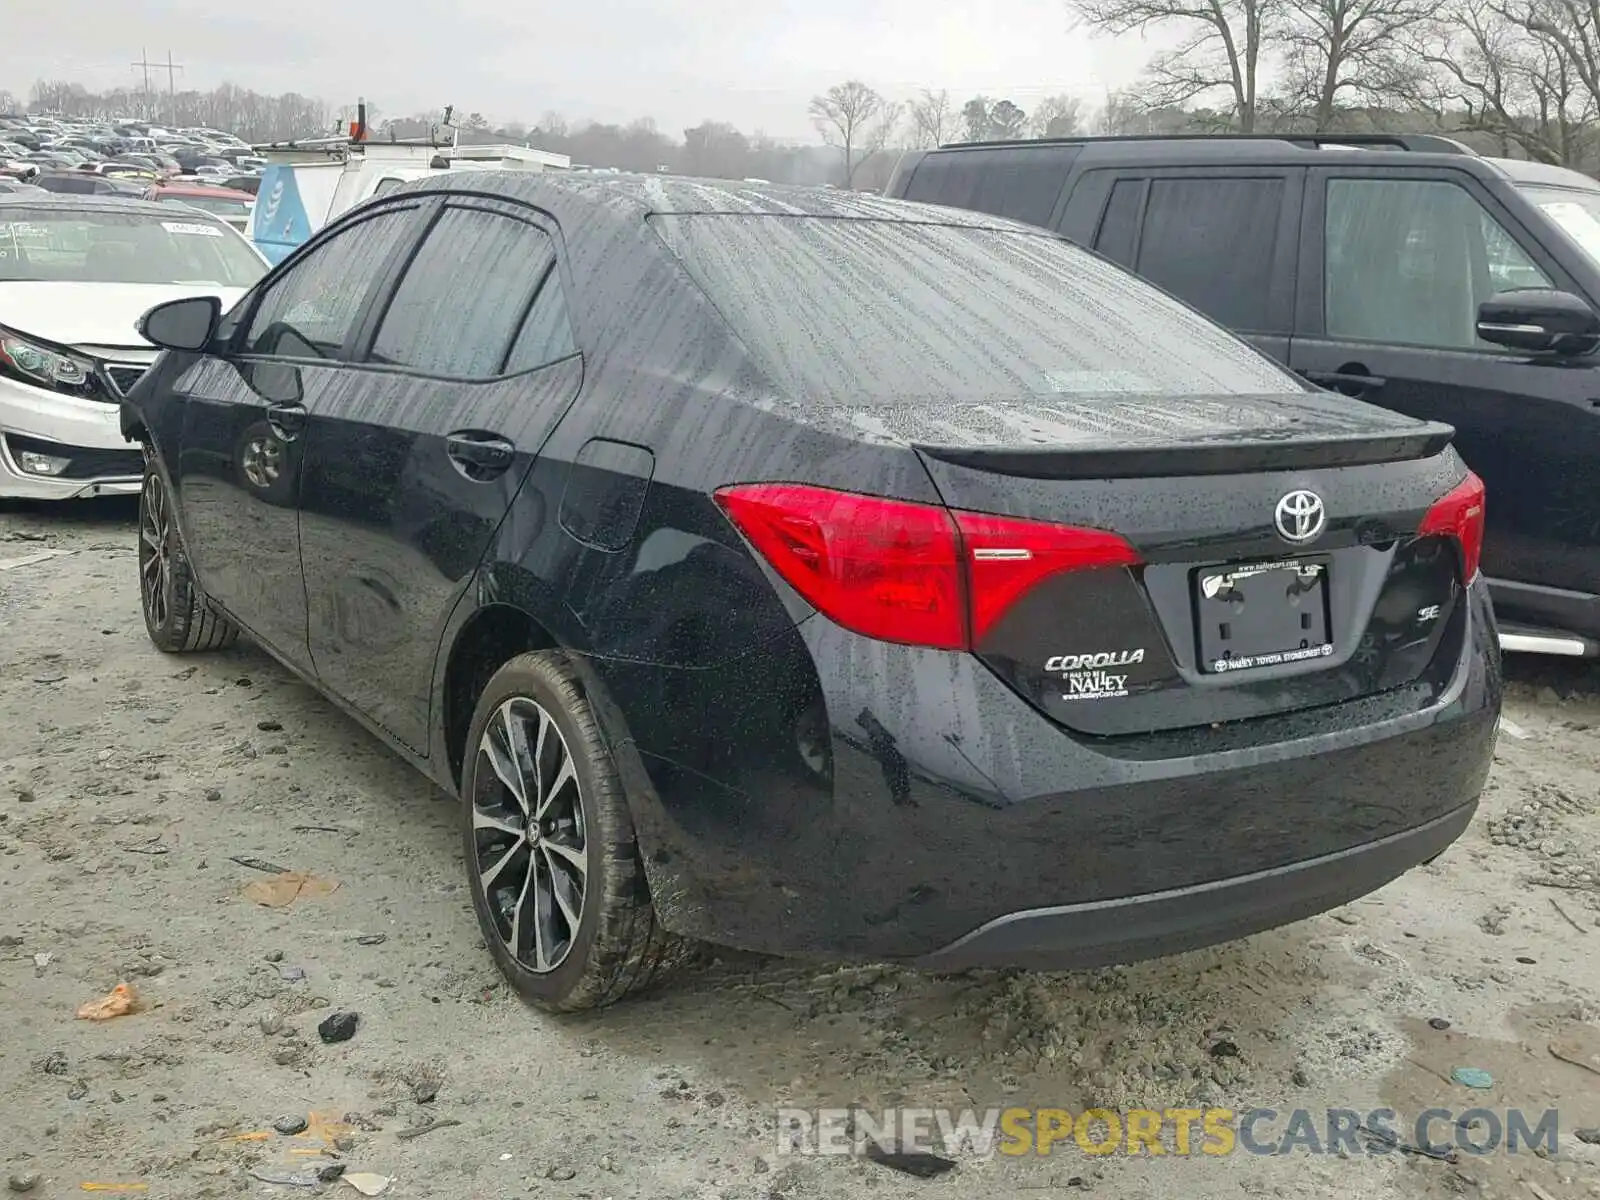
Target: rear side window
[(1210, 242), (848, 310), (1016, 182), (465, 295)]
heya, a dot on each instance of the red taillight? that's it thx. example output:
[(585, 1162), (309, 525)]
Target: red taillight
[(1006, 557), (905, 572), (1459, 514)]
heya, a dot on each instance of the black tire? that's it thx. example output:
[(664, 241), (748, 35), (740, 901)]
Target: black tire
[(619, 947), (177, 614)]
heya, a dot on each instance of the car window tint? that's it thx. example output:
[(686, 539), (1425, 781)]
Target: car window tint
[(547, 333), (464, 295), (841, 311), (1022, 183), (1408, 261), (308, 312), (1121, 221), (1210, 242)]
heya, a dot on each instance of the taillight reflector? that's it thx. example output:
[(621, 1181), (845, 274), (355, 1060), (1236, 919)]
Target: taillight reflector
[(1459, 514), (1007, 557), (907, 572)]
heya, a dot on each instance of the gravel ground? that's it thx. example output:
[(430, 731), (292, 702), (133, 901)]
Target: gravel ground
[(132, 782)]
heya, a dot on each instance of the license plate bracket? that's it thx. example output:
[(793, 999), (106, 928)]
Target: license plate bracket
[(1261, 614)]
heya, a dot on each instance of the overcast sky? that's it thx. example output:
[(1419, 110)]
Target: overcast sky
[(755, 63)]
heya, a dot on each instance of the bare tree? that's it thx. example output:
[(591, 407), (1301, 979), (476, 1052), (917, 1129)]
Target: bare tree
[(855, 120), (1222, 50), (253, 116), (931, 118), (1123, 114), (1056, 117), (1350, 48), (1523, 72)]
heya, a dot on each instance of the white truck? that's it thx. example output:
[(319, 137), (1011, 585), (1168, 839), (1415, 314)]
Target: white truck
[(301, 191)]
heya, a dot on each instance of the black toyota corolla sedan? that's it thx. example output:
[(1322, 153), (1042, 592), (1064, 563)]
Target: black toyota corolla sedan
[(824, 575)]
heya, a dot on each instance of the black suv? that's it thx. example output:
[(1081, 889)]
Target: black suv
[(1405, 269)]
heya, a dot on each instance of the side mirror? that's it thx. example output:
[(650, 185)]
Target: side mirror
[(188, 324), (1539, 321)]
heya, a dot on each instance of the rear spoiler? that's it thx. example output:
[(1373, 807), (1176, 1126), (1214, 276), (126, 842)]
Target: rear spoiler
[(1240, 454)]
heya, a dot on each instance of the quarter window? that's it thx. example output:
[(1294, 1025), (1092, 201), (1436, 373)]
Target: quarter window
[(1121, 221), (1408, 261), (308, 313), (547, 334), (465, 295)]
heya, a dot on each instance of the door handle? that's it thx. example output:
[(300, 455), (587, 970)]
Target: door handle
[(482, 452), (287, 420), (1343, 379)]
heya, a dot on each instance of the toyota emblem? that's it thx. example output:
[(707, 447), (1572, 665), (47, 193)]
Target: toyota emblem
[(1301, 516)]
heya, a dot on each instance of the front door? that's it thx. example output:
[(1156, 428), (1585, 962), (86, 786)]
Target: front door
[(241, 451), (1396, 264), (462, 374)]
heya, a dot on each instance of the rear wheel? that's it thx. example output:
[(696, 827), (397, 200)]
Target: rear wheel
[(177, 614), (552, 861)]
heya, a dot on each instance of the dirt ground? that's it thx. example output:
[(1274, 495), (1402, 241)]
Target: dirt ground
[(131, 783)]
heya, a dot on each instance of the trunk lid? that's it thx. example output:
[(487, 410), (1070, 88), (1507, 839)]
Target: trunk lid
[(1226, 618)]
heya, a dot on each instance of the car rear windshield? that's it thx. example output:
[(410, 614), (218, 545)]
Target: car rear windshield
[(223, 206), (62, 245), (869, 308), (1575, 210)]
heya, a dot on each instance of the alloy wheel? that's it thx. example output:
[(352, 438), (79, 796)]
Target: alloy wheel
[(155, 550), (528, 834), (263, 460)]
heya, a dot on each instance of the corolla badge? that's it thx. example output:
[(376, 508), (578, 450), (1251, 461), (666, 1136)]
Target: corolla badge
[(1301, 516)]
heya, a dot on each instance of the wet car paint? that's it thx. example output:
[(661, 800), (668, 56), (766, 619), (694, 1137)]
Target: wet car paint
[(796, 786)]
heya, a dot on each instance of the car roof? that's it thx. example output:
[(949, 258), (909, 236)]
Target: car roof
[(1330, 149), (634, 197), (94, 203)]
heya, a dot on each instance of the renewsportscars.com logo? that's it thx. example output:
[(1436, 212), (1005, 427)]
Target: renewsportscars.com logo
[(1214, 1132)]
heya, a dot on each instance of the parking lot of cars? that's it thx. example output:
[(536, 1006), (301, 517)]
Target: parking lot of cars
[(121, 156)]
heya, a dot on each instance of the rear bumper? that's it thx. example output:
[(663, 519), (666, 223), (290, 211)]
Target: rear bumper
[(1075, 936), (918, 809)]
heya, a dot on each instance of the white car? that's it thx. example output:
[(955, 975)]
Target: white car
[(76, 273)]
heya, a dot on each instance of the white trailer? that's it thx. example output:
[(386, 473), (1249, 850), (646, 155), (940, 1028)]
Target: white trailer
[(307, 185)]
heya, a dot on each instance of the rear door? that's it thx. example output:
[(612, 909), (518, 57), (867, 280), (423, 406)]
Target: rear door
[(1225, 240), (1397, 261), (464, 371)]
